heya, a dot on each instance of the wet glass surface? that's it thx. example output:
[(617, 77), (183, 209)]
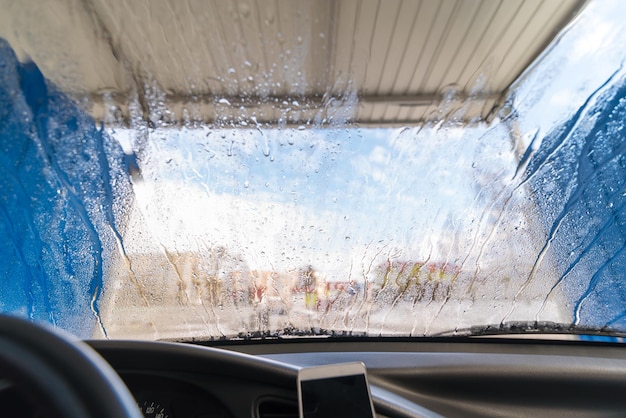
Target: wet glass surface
[(241, 228)]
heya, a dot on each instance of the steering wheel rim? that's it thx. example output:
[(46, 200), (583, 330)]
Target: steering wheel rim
[(67, 375)]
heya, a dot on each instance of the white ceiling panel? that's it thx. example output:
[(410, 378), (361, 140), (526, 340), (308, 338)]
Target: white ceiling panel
[(279, 61)]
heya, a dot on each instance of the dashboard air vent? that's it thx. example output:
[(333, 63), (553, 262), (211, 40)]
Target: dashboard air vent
[(277, 408)]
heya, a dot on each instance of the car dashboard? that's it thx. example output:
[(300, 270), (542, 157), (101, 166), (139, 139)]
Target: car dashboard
[(484, 377)]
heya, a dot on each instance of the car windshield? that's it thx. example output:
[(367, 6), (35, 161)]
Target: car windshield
[(259, 194)]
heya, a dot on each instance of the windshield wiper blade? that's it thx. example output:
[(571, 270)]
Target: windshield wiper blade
[(513, 328), (531, 327), (271, 335)]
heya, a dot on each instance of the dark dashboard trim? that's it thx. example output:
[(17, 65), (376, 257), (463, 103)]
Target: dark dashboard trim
[(409, 379)]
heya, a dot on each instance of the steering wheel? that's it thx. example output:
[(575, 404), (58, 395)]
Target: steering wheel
[(66, 376)]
